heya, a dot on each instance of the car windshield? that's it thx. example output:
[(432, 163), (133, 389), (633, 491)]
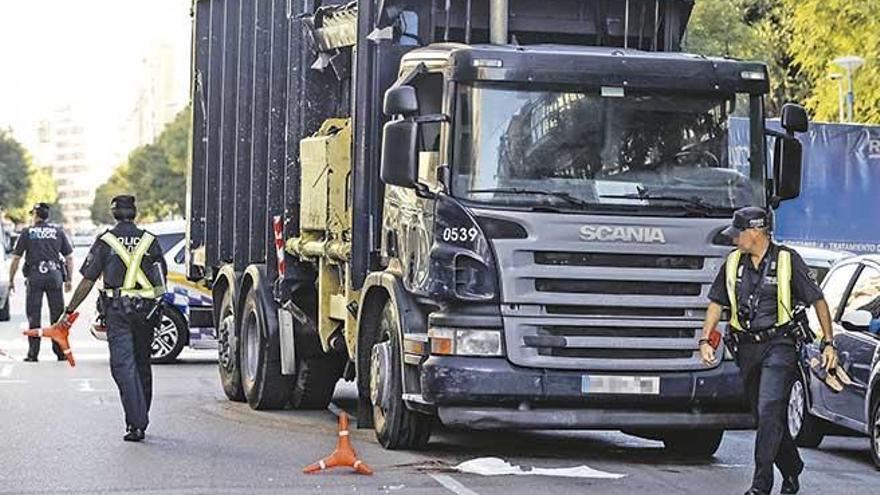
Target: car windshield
[(603, 148)]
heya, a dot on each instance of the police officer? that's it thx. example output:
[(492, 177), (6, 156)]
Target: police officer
[(42, 245), (131, 262), (761, 283)]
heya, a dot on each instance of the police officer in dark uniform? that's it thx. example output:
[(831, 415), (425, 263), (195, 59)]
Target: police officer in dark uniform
[(761, 284), (42, 245), (133, 267)]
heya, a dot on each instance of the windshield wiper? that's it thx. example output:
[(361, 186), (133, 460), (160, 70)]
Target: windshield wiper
[(517, 190), (696, 202)]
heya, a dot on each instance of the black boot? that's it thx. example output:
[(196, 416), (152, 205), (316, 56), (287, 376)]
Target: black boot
[(134, 435), (790, 484), (30, 359)]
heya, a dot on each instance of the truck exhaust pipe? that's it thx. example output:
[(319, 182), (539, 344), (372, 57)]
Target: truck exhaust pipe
[(498, 17)]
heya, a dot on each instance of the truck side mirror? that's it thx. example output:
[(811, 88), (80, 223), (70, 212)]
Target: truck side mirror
[(400, 165), (794, 118), (401, 100), (787, 164)]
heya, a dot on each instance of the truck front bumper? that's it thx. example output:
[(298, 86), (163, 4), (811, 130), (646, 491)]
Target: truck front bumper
[(491, 393)]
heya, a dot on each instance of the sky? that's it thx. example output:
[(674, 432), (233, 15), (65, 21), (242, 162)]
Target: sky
[(83, 53)]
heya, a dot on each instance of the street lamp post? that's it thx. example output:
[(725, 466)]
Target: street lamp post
[(836, 76), (850, 63)]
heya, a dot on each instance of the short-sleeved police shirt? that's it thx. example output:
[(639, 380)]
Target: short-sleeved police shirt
[(804, 290), (42, 242), (102, 260)]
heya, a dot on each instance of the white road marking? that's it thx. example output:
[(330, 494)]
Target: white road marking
[(6, 371), (451, 484), (6, 382)]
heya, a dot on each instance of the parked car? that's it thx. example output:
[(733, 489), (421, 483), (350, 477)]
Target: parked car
[(186, 317), (852, 289), (5, 249), (820, 260)]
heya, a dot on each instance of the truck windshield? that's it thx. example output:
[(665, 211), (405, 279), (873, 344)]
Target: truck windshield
[(603, 149)]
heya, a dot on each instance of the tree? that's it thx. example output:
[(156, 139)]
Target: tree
[(116, 185), (826, 29), (717, 28), (41, 189), (14, 168), (797, 39), (154, 173)]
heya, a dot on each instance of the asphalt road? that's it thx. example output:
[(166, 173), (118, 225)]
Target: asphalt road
[(61, 430)]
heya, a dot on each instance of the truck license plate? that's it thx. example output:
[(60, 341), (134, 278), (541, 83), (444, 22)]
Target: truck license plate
[(605, 384)]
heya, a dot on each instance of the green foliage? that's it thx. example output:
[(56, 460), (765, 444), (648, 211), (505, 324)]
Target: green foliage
[(717, 28), (826, 29), (14, 167), (797, 39), (116, 185), (42, 189), (155, 174)]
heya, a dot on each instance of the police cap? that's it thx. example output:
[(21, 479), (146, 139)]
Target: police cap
[(122, 201), (750, 217), (41, 209)]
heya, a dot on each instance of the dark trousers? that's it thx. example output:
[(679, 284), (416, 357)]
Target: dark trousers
[(36, 288), (768, 370), (130, 336)]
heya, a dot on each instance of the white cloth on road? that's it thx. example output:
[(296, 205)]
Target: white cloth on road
[(493, 466)]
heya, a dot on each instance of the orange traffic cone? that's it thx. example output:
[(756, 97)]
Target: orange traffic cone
[(344, 455), (58, 332)]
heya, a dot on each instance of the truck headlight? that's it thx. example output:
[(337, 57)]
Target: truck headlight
[(465, 342)]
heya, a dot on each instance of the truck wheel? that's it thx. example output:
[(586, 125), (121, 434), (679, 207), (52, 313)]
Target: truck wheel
[(396, 426), (698, 444), (260, 354), (805, 429), (228, 349), (4, 311), (315, 382), (169, 338)]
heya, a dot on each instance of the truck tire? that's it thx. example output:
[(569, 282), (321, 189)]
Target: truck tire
[(169, 338), (315, 382), (696, 444), (228, 348), (264, 386), (806, 429), (396, 426), (4, 311)]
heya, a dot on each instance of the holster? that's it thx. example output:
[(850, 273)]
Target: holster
[(731, 343)]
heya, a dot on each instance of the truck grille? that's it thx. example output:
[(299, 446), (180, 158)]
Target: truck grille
[(615, 353), (577, 304), (619, 260), (559, 309), (618, 287), (617, 332)]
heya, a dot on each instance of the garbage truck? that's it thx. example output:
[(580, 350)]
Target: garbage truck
[(489, 214)]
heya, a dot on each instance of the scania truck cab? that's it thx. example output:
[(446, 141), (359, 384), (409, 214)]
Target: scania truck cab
[(561, 209)]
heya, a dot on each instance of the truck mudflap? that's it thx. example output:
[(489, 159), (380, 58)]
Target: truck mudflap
[(491, 393)]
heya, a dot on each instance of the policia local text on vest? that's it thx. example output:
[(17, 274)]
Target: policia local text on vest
[(133, 268), (761, 284)]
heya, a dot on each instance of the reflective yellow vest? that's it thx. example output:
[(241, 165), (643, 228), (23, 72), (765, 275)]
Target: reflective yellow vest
[(134, 275), (783, 286)]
